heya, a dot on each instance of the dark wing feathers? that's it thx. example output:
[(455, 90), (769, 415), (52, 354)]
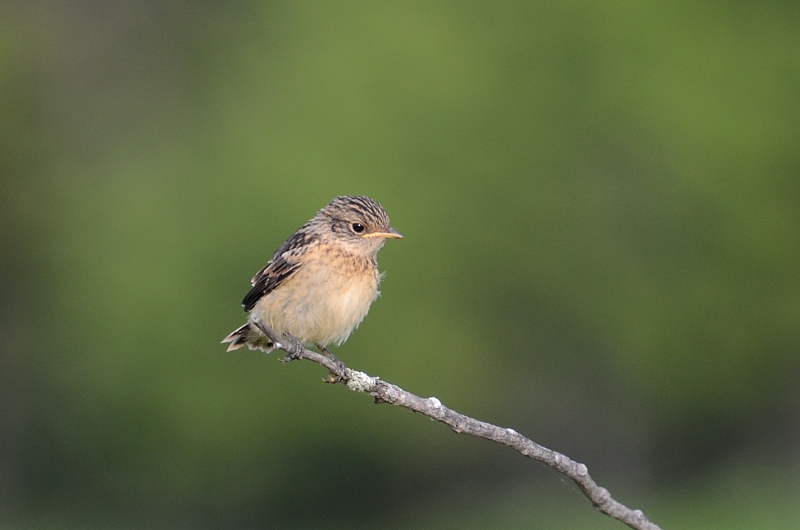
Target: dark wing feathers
[(267, 280), (283, 265)]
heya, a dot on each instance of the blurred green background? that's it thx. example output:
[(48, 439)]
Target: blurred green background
[(601, 204)]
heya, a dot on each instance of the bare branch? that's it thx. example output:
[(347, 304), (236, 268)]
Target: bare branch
[(384, 392)]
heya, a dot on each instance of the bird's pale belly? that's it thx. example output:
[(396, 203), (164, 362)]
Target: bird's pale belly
[(320, 308)]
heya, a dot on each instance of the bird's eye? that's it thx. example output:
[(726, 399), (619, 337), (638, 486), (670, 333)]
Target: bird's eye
[(357, 227)]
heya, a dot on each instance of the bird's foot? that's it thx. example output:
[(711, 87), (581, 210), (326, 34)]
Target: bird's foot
[(294, 348), (335, 376)]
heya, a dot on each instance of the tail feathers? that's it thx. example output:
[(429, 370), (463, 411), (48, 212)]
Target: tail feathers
[(238, 338), (250, 337)]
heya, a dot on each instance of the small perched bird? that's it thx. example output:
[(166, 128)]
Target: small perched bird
[(319, 284)]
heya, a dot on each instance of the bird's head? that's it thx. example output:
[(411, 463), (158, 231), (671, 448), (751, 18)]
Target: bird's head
[(359, 223)]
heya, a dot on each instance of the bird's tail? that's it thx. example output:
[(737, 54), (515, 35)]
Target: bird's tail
[(238, 338), (248, 336)]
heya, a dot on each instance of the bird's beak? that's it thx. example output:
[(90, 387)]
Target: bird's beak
[(391, 234)]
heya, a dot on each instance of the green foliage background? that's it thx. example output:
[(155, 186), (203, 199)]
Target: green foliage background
[(601, 204)]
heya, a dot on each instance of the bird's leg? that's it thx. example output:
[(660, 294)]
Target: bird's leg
[(295, 348), (340, 367)]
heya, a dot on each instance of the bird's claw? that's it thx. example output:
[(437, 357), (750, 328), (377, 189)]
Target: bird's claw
[(336, 376), (294, 349)]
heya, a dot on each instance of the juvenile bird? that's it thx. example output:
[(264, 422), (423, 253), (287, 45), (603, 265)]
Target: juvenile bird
[(319, 284)]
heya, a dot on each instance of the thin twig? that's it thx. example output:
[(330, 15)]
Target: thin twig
[(384, 392)]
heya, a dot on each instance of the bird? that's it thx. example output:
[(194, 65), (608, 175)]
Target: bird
[(321, 282)]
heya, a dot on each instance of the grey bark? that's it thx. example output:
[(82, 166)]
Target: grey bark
[(384, 392)]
